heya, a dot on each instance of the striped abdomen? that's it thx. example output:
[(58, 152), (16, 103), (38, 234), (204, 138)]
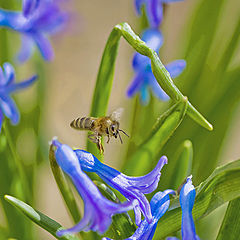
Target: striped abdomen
[(84, 123)]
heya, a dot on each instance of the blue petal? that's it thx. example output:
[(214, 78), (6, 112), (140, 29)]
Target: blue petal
[(20, 85), (28, 6), (153, 38), (172, 238), (9, 109), (141, 62), (187, 197), (44, 46), (176, 67), (138, 5), (130, 187), (9, 73), (144, 95), (135, 85), (156, 88), (26, 49), (98, 210), (154, 11)]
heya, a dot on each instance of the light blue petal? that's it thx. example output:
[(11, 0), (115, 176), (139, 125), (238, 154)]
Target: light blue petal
[(9, 109), (21, 85), (172, 238), (171, 1), (176, 67), (144, 95), (44, 46), (153, 38), (2, 78), (157, 90), (9, 73), (154, 11), (135, 85), (187, 197), (26, 50), (28, 6)]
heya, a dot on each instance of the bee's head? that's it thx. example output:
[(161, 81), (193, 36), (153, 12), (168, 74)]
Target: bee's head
[(114, 129)]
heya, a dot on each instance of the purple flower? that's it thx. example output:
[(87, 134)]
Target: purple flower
[(144, 78), (98, 210), (130, 187), (7, 87), (38, 20), (153, 9), (159, 205), (187, 197)]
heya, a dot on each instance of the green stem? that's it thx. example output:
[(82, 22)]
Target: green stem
[(18, 163)]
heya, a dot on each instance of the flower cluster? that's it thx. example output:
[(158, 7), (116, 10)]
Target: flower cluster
[(7, 87), (144, 78), (37, 20), (98, 210)]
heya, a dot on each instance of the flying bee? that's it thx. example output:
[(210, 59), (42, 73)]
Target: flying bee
[(102, 126)]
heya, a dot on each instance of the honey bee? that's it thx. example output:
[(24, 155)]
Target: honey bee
[(101, 126)]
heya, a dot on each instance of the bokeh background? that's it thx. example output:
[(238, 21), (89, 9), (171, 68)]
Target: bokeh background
[(70, 80)]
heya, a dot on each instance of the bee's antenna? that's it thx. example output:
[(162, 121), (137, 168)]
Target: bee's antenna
[(120, 137), (123, 132)]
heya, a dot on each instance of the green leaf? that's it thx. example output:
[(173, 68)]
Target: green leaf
[(39, 218), (149, 151), (220, 187), (184, 156), (230, 226), (106, 72)]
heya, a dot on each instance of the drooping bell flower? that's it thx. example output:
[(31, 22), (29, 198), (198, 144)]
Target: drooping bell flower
[(130, 187), (98, 210)]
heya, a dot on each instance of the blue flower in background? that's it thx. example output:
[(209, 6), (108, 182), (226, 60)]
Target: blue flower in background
[(130, 187), (7, 87), (98, 210), (187, 198), (153, 9), (159, 205), (144, 78), (38, 20)]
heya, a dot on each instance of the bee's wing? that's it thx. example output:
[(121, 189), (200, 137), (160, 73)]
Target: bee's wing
[(117, 114)]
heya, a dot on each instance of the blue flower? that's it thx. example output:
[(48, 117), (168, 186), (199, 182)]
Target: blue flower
[(7, 87), (159, 205), (144, 78), (98, 210), (187, 198), (130, 187), (153, 9), (38, 20)]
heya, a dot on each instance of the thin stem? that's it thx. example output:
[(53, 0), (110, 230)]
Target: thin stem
[(18, 163)]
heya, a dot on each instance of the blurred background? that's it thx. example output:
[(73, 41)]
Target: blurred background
[(69, 83)]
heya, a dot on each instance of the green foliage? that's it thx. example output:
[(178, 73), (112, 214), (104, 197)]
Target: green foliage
[(230, 225), (39, 218), (220, 187)]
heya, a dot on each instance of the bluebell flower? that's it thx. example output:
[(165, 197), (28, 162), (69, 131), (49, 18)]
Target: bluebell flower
[(153, 9), (38, 20), (7, 86), (187, 198), (144, 78), (98, 210), (159, 205), (130, 187)]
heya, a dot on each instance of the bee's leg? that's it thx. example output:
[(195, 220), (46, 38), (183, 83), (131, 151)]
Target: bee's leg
[(108, 138), (99, 145), (93, 138)]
